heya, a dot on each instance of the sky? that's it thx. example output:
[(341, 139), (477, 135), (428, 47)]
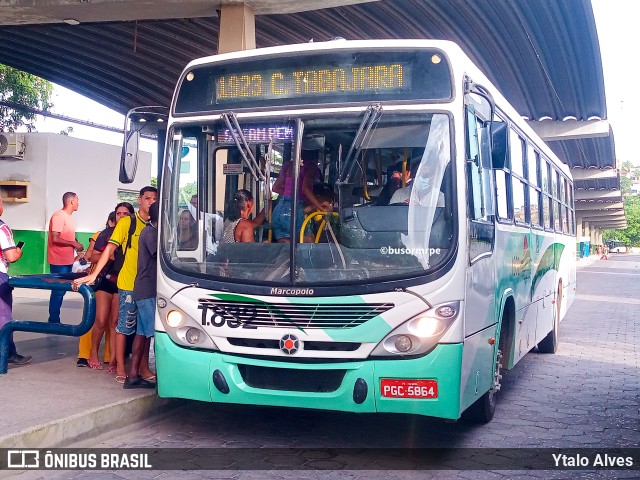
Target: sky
[(618, 32)]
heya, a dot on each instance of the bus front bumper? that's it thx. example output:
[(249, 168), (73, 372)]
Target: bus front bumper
[(353, 386)]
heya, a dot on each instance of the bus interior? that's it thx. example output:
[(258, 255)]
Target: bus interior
[(388, 179)]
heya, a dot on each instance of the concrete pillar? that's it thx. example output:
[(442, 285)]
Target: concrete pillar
[(237, 28), (579, 227)]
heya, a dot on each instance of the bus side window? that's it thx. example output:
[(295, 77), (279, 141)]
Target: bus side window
[(478, 168)]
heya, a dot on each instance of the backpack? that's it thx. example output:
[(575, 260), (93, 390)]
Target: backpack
[(120, 253), (112, 268)]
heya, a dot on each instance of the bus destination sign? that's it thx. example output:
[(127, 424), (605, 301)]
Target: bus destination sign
[(314, 81), (315, 78)]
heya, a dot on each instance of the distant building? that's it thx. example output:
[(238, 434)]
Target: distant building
[(51, 165)]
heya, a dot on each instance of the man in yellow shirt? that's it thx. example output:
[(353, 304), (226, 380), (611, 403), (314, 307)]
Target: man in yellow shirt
[(128, 312)]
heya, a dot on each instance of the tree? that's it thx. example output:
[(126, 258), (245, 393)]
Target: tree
[(630, 236), (24, 89)]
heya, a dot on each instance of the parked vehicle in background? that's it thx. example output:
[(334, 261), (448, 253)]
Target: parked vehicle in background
[(616, 246)]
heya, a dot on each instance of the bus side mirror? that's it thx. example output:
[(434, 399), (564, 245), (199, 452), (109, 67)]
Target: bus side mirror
[(140, 121), (499, 145), (129, 157)]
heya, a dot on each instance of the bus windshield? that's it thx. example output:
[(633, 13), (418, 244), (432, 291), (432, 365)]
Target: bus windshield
[(316, 200)]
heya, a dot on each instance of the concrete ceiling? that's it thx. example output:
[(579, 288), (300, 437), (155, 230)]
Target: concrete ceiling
[(543, 55), (21, 12)]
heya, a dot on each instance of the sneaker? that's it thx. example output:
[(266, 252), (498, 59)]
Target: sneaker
[(17, 359), (82, 362)]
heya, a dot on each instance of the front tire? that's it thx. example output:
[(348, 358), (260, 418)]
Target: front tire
[(483, 409)]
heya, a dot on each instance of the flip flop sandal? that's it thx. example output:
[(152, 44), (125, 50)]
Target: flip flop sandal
[(150, 378), (120, 378), (95, 365), (112, 369)]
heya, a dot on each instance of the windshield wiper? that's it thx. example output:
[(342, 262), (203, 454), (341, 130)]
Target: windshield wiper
[(371, 116), (238, 137)]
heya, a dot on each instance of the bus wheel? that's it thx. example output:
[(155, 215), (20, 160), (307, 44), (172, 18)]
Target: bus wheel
[(483, 409), (549, 344)]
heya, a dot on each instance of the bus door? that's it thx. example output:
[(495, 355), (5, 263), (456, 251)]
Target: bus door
[(480, 321)]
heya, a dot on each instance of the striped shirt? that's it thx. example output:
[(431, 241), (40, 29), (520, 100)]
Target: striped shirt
[(6, 243)]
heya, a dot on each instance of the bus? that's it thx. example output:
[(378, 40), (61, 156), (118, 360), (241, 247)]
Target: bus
[(616, 246), (412, 306)]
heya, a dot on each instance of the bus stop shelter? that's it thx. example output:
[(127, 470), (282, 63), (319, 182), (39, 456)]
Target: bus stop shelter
[(543, 56)]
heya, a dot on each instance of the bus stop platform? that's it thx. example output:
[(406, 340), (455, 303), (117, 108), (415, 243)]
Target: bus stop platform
[(51, 402)]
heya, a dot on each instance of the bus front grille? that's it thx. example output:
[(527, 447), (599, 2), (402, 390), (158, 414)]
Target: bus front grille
[(306, 345), (287, 315), (267, 378)]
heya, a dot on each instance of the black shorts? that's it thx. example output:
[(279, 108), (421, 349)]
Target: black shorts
[(106, 285)]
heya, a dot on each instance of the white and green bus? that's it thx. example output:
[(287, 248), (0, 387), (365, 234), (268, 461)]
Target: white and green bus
[(406, 304)]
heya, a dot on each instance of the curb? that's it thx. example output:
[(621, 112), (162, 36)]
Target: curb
[(90, 424)]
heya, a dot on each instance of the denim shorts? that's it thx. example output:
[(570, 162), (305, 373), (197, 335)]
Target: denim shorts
[(281, 219), (146, 316), (127, 313)]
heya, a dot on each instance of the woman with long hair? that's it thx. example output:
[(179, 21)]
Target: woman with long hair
[(237, 225), (106, 291)]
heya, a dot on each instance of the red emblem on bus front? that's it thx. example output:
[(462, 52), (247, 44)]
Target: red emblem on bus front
[(289, 344)]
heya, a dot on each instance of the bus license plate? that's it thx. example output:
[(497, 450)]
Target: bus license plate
[(409, 388)]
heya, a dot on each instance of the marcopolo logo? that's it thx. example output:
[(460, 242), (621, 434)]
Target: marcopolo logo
[(291, 291), (289, 344)]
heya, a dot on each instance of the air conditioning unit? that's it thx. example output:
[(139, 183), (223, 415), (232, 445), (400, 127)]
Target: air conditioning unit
[(11, 145)]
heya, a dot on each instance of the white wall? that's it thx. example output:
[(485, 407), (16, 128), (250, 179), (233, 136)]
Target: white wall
[(55, 164)]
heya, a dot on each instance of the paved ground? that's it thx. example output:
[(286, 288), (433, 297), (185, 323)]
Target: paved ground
[(51, 402), (585, 396)]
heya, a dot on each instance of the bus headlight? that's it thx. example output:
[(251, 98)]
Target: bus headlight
[(402, 343), (175, 318), (420, 334), (426, 327), (193, 336), (183, 328)]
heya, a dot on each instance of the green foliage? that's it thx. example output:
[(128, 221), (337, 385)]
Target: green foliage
[(66, 131), (630, 235), (130, 196), (186, 192), (625, 185), (154, 182), (627, 165), (24, 89)]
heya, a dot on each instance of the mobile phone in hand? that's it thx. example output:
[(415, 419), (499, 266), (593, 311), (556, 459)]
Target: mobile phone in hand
[(20, 244)]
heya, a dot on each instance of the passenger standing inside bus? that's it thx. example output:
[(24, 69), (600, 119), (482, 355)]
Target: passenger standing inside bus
[(281, 217), (187, 232), (127, 237), (61, 247), (238, 227), (144, 294)]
